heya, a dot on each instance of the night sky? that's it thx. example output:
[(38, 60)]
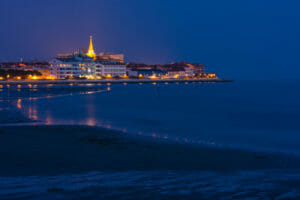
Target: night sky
[(239, 39)]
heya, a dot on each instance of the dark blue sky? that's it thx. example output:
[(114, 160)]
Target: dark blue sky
[(240, 39)]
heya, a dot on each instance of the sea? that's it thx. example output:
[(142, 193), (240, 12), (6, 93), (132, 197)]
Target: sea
[(261, 116)]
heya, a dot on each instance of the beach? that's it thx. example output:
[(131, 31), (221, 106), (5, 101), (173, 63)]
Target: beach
[(46, 150), (79, 162)]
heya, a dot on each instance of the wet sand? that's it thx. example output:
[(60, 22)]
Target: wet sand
[(52, 150)]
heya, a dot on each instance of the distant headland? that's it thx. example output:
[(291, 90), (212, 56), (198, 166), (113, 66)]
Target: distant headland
[(85, 66)]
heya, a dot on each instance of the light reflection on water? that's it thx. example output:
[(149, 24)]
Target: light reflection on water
[(91, 120), (19, 103), (49, 120), (212, 114), (32, 112)]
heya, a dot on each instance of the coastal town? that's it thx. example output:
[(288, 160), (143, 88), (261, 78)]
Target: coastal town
[(86, 65)]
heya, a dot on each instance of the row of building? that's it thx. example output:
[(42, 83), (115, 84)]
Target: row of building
[(89, 65)]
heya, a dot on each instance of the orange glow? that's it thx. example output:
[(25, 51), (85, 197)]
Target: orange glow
[(1, 78), (108, 76), (32, 113), (7, 76), (125, 76), (140, 75), (49, 120), (90, 77), (19, 77), (153, 76), (212, 75), (50, 77), (19, 105), (176, 76), (186, 76), (91, 122), (34, 77)]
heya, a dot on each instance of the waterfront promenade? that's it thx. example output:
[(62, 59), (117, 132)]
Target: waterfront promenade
[(110, 81)]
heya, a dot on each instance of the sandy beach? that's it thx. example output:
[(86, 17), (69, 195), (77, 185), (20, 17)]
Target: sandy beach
[(52, 150)]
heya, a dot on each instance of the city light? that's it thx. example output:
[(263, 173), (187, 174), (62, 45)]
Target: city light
[(79, 66), (50, 77), (153, 76)]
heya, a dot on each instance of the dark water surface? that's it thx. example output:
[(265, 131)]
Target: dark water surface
[(254, 115)]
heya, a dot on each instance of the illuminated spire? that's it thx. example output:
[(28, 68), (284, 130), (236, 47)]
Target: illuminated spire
[(91, 52)]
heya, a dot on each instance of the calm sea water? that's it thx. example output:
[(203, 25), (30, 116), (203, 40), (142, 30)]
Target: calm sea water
[(259, 115)]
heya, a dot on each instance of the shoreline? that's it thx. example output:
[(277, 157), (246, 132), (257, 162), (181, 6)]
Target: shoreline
[(108, 81), (61, 149)]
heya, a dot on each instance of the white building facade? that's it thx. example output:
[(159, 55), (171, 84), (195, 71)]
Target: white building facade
[(87, 69), (62, 69), (110, 69)]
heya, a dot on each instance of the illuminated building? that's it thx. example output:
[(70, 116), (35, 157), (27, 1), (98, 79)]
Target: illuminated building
[(114, 69), (87, 65), (91, 52), (76, 65), (173, 70), (42, 67), (146, 73), (109, 57)]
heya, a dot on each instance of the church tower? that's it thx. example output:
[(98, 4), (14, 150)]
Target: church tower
[(91, 52)]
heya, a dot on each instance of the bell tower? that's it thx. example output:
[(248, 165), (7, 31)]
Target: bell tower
[(91, 52)]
